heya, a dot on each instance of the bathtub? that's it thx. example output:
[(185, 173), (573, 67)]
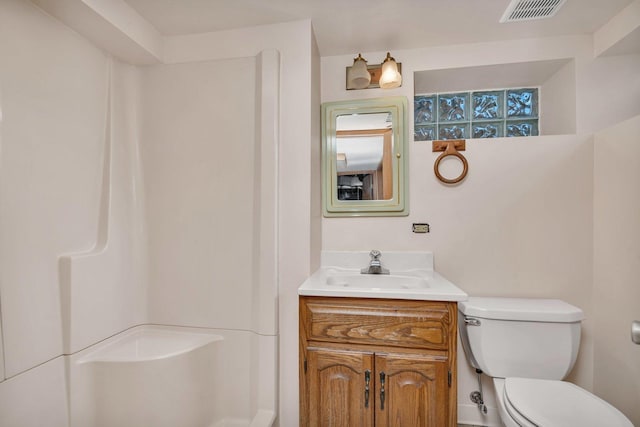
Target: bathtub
[(167, 376)]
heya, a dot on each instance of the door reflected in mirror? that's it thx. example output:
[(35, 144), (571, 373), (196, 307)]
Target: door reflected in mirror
[(363, 158)]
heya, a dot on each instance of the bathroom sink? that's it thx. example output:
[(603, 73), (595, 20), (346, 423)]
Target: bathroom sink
[(376, 281), (411, 277)]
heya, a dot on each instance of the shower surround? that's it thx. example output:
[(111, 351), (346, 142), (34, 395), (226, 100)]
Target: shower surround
[(138, 216)]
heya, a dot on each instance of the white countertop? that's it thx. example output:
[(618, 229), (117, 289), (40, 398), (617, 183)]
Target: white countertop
[(411, 277)]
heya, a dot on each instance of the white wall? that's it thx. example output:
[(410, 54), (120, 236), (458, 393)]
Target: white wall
[(521, 223), (316, 147), (617, 265), (621, 35), (607, 91), (558, 103)]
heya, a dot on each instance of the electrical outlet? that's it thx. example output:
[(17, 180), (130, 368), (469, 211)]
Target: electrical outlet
[(421, 227)]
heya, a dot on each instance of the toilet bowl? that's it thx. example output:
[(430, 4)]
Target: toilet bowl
[(526, 402), (528, 346)]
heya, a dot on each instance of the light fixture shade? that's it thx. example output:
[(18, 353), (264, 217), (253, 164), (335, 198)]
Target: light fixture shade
[(390, 77), (358, 75)]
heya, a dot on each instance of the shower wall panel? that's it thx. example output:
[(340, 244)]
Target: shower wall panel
[(54, 86), (35, 398), (69, 180), (103, 290), (199, 160)]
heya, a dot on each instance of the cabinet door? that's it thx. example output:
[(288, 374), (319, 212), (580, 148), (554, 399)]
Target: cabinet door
[(340, 386), (411, 390)]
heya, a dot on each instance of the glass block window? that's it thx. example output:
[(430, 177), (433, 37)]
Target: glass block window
[(477, 114)]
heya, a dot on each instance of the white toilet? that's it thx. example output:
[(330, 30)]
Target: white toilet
[(528, 346)]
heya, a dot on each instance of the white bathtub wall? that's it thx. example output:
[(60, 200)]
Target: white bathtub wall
[(35, 398), (617, 265), (55, 122), (263, 375), (108, 393), (210, 147), (299, 88), (198, 151), (234, 377), (164, 393), (54, 86), (263, 363), (149, 375), (108, 283), (264, 295), (98, 288)]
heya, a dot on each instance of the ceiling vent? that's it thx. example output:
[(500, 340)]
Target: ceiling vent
[(526, 10)]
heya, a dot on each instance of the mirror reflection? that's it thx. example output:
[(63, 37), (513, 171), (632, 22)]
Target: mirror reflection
[(364, 146), (363, 162)]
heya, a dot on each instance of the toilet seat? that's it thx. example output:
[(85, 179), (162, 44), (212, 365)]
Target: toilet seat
[(549, 403)]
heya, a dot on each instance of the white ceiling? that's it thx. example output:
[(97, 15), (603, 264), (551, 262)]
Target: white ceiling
[(351, 26)]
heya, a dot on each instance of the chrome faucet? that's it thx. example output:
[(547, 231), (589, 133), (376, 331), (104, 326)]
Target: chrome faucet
[(375, 266)]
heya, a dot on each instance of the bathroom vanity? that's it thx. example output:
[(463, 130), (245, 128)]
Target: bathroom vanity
[(378, 350)]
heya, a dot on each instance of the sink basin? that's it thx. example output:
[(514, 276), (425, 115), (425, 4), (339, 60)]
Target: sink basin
[(412, 277), (377, 281)]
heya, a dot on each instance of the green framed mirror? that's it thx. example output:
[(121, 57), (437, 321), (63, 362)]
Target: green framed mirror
[(364, 161)]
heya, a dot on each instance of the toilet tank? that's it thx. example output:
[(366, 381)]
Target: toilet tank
[(520, 337)]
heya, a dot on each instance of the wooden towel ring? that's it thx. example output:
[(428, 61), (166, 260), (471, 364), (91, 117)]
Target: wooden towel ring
[(450, 148)]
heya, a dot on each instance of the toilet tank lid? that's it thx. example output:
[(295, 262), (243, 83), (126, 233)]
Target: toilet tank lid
[(524, 309)]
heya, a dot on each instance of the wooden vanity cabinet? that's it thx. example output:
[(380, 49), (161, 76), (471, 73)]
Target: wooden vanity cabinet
[(376, 362)]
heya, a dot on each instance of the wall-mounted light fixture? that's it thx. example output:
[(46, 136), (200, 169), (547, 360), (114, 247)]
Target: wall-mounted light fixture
[(362, 76), (358, 75)]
